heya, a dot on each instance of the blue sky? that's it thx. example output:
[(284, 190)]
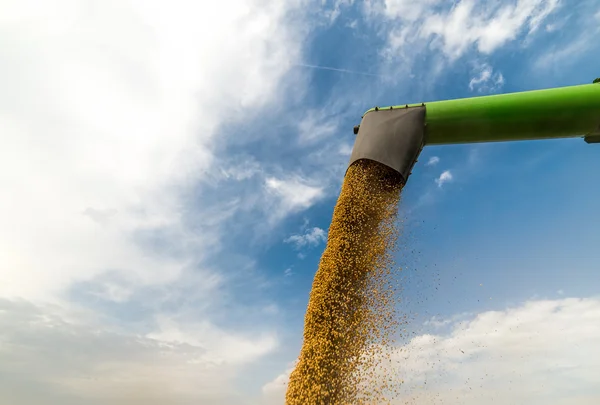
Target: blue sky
[(170, 172)]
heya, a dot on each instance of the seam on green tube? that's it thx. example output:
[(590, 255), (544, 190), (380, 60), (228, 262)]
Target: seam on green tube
[(395, 107)]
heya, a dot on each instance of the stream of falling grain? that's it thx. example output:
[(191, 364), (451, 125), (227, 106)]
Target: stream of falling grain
[(350, 317)]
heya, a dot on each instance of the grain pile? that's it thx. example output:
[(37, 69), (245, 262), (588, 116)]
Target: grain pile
[(350, 317)]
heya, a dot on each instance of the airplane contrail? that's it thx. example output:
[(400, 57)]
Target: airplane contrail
[(337, 70)]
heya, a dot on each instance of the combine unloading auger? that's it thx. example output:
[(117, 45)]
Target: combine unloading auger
[(395, 136)]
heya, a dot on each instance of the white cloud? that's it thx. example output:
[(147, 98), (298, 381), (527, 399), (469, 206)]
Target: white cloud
[(434, 160), (293, 194), (312, 237), (288, 272), (499, 81), (336, 10), (100, 216), (118, 113), (104, 138), (485, 75), (485, 25), (50, 355), (240, 171), (485, 80), (445, 177), (540, 352), (409, 10)]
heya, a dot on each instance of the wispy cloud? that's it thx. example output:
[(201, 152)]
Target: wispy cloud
[(567, 49), (565, 53), (434, 160), (335, 11), (485, 80), (445, 177), (316, 127), (484, 25), (454, 28), (312, 237)]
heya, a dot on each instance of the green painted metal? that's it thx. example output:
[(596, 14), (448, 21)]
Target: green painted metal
[(563, 112)]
